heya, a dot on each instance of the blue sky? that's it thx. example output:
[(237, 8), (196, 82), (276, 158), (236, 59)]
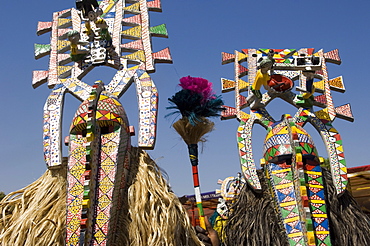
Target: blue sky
[(199, 30)]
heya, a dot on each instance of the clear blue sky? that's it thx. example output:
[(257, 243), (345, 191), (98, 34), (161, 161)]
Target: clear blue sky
[(199, 30)]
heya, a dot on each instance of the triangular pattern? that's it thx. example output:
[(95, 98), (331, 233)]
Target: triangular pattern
[(242, 71), (62, 45), (42, 50), (227, 85), (154, 5), (39, 78), (133, 8), (319, 86), (337, 84), (63, 23), (43, 27), (159, 31), (64, 71), (316, 196), (229, 112), (227, 58), (134, 32), (163, 56), (321, 99), (241, 56), (242, 101), (333, 57), (344, 112), (138, 56), (243, 86), (132, 20)]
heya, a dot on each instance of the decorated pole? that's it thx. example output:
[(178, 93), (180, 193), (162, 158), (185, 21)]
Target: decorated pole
[(195, 102)]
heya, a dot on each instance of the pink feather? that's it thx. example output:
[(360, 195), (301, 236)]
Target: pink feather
[(197, 85)]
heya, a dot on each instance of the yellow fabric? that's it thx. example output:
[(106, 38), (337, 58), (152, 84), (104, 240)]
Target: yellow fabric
[(261, 79), (219, 226), (73, 49)]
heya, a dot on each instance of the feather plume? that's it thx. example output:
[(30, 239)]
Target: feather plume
[(196, 101)]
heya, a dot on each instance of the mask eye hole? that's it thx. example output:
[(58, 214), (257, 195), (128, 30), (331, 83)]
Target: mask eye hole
[(79, 129), (108, 126), (105, 127)]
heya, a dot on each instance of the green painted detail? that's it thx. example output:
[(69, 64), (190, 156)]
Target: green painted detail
[(326, 241), (276, 179), (339, 142), (86, 193), (309, 224), (272, 152), (319, 179), (42, 49), (240, 139), (200, 208), (298, 149), (284, 213), (343, 161), (266, 122), (294, 243), (243, 161), (160, 30), (322, 208), (307, 148)]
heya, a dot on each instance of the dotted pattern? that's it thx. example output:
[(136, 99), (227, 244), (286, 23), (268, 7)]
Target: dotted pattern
[(305, 177)]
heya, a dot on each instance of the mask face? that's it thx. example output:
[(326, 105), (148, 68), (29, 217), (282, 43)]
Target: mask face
[(97, 169), (278, 146)]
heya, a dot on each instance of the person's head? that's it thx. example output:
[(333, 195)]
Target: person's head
[(266, 64), (73, 36)]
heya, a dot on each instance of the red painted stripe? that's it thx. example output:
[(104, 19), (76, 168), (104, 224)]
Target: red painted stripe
[(195, 176)]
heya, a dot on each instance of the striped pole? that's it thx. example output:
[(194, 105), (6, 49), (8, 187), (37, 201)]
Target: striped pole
[(193, 155)]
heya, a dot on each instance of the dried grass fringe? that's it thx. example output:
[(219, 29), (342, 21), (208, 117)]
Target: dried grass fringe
[(157, 216), (254, 220), (193, 134), (35, 215)]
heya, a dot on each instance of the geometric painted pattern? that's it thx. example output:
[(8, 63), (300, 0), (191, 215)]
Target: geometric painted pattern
[(93, 203), (76, 168), (316, 201), (334, 146), (281, 178), (290, 158), (67, 78), (244, 138)]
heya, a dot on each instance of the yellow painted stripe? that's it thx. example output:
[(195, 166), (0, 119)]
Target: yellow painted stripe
[(322, 232), (311, 238), (281, 171), (317, 201), (303, 190), (285, 204), (86, 203), (298, 157), (315, 186), (314, 173), (320, 215), (297, 234), (282, 186), (291, 219)]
